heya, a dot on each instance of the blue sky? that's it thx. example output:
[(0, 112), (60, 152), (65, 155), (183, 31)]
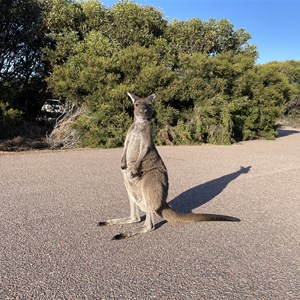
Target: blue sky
[(273, 24)]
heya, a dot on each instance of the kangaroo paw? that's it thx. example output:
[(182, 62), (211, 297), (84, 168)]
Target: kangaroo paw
[(120, 236)]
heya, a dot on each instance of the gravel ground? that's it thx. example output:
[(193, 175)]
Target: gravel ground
[(51, 247)]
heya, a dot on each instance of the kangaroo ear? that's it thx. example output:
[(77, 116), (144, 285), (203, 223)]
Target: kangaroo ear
[(132, 96), (151, 98)]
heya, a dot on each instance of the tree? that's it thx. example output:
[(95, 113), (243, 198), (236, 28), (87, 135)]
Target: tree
[(208, 87), (212, 37), (266, 90), (21, 40), (131, 23), (290, 71)]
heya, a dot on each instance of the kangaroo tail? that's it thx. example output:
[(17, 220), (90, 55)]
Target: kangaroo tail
[(171, 215)]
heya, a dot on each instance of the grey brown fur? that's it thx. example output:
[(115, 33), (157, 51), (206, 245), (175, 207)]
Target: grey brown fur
[(146, 176)]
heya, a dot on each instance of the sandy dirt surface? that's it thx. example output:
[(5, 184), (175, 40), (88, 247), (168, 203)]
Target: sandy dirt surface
[(51, 247)]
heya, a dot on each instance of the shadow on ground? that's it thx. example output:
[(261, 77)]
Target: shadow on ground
[(282, 132), (203, 193)]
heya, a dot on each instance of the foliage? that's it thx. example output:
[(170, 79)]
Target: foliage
[(208, 88), (22, 38), (291, 106), (203, 73), (9, 120), (104, 128)]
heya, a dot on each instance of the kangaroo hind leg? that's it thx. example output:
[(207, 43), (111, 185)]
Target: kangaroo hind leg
[(133, 218), (147, 226), (148, 205)]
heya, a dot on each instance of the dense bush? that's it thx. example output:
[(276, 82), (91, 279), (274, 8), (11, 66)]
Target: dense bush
[(208, 88), (9, 120)]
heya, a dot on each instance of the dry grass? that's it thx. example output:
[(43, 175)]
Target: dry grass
[(23, 144)]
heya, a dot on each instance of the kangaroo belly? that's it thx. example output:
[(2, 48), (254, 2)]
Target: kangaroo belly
[(133, 149), (134, 189)]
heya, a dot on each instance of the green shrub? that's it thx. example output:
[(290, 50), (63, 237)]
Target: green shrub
[(106, 127), (10, 119), (203, 73)]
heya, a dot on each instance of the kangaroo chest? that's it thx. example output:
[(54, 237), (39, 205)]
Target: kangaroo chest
[(136, 138)]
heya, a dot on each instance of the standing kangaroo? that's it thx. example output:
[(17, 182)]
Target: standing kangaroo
[(146, 177)]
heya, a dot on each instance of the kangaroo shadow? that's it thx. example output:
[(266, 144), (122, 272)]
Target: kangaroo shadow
[(203, 193)]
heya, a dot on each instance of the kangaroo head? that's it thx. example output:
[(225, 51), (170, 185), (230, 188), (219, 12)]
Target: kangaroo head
[(142, 106)]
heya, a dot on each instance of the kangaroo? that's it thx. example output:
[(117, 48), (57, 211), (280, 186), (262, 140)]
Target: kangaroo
[(146, 177)]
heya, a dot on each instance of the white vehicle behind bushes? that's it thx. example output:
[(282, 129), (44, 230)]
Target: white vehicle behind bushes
[(53, 106)]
